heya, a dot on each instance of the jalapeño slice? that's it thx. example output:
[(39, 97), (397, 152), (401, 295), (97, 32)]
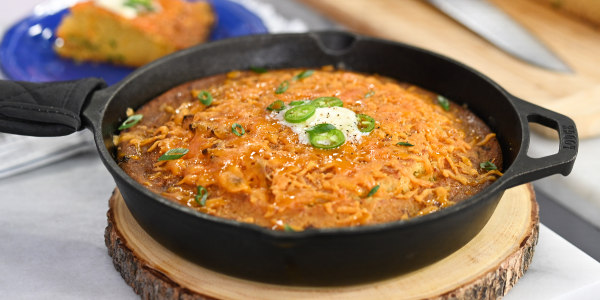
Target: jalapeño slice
[(325, 136), (277, 105), (365, 123), (328, 102), (300, 113), (321, 128)]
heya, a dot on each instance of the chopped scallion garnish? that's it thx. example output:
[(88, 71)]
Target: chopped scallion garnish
[(205, 98), (201, 196), (288, 228), (443, 102), (369, 94), (145, 4), (238, 129), (303, 74), (173, 154), (282, 87), (404, 144), (132, 120), (258, 70), (488, 166), (373, 191)]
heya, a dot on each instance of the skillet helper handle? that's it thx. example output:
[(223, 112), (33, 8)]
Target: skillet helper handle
[(527, 169), (44, 109)]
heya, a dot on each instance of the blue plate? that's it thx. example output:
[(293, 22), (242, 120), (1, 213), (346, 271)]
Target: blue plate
[(26, 52)]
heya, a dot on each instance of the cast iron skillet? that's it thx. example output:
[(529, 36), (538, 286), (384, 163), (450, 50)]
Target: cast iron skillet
[(315, 256)]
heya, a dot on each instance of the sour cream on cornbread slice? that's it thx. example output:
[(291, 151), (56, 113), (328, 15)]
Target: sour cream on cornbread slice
[(342, 118), (125, 10)]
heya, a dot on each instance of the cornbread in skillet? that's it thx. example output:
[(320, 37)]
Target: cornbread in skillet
[(245, 146), (132, 32)]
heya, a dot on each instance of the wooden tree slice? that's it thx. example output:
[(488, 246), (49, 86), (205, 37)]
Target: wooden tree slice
[(487, 267)]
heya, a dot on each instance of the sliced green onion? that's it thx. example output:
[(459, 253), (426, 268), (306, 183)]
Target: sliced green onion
[(288, 228), (205, 98), (488, 166), (282, 87), (373, 191), (238, 129), (328, 102), (303, 74), (146, 4), (174, 154), (277, 105), (369, 94), (443, 102), (201, 196), (300, 113), (132, 120), (295, 103), (404, 144), (325, 136), (258, 70), (365, 123)]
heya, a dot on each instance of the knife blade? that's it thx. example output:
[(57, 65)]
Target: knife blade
[(501, 30)]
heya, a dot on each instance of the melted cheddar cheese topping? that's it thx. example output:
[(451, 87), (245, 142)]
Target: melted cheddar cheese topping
[(271, 177)]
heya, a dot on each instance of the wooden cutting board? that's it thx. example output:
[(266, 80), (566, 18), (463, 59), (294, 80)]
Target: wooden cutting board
[(577, 42), (485, 268)]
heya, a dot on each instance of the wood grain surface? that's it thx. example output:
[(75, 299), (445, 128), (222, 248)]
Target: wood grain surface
[(486, 268), (576, 95)]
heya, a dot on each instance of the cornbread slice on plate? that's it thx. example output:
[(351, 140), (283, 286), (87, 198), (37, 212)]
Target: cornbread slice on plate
[(132, 33)]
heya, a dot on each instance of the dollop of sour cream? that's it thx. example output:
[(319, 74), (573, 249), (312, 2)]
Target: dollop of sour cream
[(342, 118), (118, 7)]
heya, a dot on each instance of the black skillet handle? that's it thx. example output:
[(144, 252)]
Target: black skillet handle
[(527, 169), (44, 109)]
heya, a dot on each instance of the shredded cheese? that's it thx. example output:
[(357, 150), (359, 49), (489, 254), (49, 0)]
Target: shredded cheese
[(272, 177)]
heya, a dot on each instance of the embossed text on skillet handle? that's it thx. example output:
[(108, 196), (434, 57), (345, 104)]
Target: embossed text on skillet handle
[(526, 169)]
